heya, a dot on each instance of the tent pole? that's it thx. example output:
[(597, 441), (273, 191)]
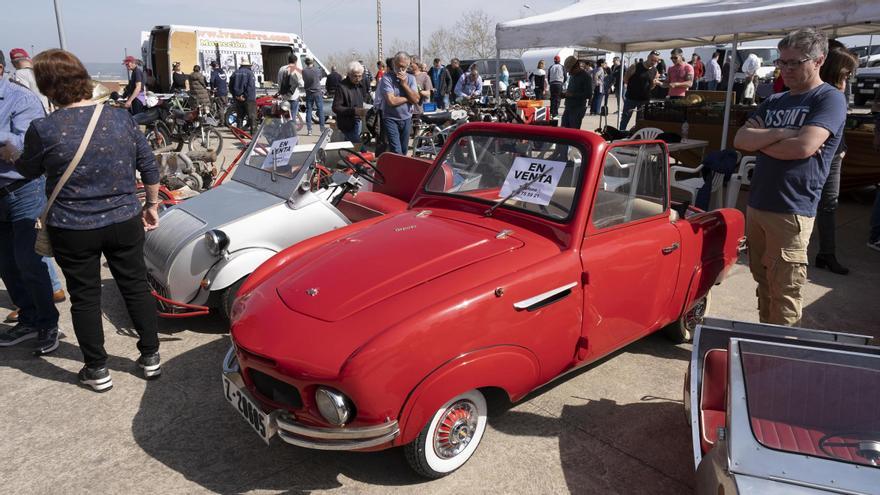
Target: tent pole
[(731, 71), (620, 88)]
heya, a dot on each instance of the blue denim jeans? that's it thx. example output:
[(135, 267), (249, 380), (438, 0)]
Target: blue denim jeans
[(397, 133), (316, 101), (23, 272), (354, 135), (442, 101), (711, 85), (53, 274), (628, 106)]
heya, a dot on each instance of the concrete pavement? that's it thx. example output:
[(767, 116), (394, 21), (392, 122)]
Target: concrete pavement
[(617, 426)]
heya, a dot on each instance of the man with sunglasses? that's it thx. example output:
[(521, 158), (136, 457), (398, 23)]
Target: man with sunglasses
[(640, 79), (794, 135), (680, 77)]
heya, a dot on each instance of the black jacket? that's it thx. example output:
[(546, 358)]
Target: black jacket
[(332, 83), (445, 85), (348, 97)]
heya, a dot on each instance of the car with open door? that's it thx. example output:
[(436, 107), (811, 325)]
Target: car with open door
[(279, 194), (526, 252), (778, 409)]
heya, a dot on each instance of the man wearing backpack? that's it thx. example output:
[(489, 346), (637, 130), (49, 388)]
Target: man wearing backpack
[(290, 83)]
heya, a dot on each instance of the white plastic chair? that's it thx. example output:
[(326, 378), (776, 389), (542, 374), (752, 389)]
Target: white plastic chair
[(612, 183), (742, 176), (646, 133), (694, 184)]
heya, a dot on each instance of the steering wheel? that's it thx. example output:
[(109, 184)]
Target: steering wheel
[(364, 169)]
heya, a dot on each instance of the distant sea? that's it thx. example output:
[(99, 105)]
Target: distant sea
[(107, 71)]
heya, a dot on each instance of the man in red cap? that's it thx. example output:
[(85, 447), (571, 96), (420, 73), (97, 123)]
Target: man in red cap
[(556, 78), (24, 73), (134, 93)]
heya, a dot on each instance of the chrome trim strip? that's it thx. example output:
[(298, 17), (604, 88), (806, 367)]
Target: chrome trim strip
[(525, 303), (354, 445), (287, 423)]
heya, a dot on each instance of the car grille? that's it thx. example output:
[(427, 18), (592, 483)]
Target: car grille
[(275, 390), (157, 286), (176, 228)]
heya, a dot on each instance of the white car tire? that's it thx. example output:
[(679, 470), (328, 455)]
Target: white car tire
[(451, 436)]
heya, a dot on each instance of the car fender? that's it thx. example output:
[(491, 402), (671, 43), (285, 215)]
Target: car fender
[(239, 264), (514, 369)]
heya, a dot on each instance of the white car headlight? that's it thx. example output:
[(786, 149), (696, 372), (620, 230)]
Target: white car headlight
[(334, 406), (216, 241)]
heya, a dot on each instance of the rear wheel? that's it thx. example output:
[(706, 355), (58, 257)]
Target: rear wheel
[(227, 298), (451, 436), (682, 330), (208, 139), (158, 136)]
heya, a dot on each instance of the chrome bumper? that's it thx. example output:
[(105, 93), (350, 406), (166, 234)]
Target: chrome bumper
[(314, 437)]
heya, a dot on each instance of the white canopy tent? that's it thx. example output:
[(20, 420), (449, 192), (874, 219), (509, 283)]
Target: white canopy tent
[(657, 24)]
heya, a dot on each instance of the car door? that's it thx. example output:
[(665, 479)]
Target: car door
[(631, 251)]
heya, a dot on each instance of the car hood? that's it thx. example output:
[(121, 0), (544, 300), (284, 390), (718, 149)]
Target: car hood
[(383, 260)]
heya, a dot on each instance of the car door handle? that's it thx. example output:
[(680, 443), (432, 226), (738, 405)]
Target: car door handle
[(670, 249)]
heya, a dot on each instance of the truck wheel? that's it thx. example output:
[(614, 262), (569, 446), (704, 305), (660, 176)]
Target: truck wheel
[(227, 298), (450, 438), (682, 330)]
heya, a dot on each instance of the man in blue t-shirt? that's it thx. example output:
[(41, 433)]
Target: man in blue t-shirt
[(794, 135), (399, 92)]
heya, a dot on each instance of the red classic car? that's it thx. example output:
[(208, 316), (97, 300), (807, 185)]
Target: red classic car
[(526, 252)]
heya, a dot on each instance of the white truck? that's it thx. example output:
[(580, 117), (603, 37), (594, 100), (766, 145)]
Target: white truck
[(199, 45)]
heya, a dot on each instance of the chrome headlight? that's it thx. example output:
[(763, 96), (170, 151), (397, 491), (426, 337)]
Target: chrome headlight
[(216, 241), (334, 406)]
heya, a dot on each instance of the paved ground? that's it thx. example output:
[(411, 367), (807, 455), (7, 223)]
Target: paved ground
[(617, 426)]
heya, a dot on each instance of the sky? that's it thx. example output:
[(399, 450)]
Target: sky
[(101, 30)]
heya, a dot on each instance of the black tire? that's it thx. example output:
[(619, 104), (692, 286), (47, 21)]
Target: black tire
[(158, 136), (214, 138), (421, 453), (682, 330), (227, 298)]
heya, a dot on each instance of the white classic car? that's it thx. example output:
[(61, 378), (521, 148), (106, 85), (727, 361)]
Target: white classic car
[(280, 194)]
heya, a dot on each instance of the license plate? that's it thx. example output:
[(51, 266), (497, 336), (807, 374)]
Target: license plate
[(259, 421), (866, 91)]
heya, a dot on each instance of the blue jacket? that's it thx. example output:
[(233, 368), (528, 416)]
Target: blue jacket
[(218, 82), (244, 83)]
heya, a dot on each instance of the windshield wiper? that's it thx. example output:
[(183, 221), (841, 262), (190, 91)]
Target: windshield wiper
[(488, 213)]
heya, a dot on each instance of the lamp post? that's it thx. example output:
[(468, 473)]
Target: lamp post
[(301, 35), (61, 40), (420, 31)]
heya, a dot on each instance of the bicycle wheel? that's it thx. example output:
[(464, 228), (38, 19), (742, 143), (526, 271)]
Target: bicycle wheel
[(158, 136), (208, 139)]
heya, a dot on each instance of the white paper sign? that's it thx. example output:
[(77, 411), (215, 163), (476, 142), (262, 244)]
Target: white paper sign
[(279, 153), (544, 173)]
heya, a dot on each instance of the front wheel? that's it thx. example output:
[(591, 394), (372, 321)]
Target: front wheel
[(682, 330), (450, 438)]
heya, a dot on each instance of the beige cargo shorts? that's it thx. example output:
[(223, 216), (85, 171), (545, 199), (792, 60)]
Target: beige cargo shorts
[(778, 262)]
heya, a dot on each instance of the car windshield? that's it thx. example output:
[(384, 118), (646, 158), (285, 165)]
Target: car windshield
[(813, 401), (544, 174), (275, 148)]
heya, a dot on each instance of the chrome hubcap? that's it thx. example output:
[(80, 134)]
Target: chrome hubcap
[(456, 429), (695, 315)]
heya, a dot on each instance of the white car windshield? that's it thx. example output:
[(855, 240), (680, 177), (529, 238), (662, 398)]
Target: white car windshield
[(813, 401), (275, 148), (540, 176)]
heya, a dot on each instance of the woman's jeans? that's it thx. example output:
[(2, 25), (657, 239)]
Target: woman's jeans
[(397, 134), (825, 216), (23, 272), (78, 253)]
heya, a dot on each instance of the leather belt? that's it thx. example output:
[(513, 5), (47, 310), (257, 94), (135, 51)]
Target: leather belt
[(12, 187)]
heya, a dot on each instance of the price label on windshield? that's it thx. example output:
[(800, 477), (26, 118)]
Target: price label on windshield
[(279, 153), (544, 177)]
